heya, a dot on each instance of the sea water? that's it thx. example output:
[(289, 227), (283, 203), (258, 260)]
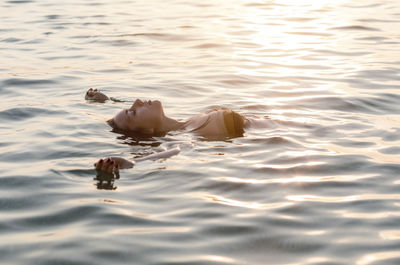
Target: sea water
[(317, 181)]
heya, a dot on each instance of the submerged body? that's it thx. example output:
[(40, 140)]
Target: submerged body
[(217, 122), (148, 118)]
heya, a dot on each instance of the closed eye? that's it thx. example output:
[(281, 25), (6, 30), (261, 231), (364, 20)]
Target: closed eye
[(133, 111)]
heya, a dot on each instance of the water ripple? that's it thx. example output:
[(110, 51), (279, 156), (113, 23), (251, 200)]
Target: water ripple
[(16, 82), (356, 27), (314, 180), (24, 113)]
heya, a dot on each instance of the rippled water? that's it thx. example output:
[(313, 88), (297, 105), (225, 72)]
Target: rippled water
[(317, 182)]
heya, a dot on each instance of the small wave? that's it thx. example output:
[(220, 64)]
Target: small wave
[(208, 46), (53, 58), (372, 20), (351, 143), (120, 43), (20, 1), (229, 230), (20, 114), (300, 19), (61, 217), (11, 40), (291, 244), (52, 17), (341, 53), (357, 6), (97, 24), (306, 33), (370, 105), (75, 172), (394, 150), (374, 39), (16, 82), (262, 5), (382, 257), (342, 164), (153, 35), (356, 27)]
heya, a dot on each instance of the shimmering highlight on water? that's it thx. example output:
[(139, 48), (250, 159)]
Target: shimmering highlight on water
[(315, 181)]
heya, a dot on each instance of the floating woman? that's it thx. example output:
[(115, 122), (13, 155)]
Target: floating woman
[(148, 118)]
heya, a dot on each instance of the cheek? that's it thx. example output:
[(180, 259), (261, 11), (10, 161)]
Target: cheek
[(146, 120), (121, 122)]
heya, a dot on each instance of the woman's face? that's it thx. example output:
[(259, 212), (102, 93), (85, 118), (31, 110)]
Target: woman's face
[(143, 116)]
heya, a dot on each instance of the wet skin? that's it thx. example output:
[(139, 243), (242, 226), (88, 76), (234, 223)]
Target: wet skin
[(95, 95), (148, 117)]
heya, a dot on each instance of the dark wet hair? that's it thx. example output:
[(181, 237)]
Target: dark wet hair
[(234, 123)]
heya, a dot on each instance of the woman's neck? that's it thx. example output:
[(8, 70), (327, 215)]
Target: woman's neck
[(169, 124)]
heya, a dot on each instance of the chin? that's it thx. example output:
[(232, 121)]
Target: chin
[(158, 105)]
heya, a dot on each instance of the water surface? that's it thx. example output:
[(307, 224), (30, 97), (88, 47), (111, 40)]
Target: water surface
[(318, 183)]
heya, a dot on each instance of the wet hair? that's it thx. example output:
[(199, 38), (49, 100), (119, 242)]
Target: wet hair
[(234, 123)]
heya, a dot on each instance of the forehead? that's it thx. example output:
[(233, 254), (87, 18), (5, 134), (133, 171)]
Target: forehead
[(120, 119)]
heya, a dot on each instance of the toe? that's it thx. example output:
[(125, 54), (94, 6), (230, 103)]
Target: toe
[(110, 167), (105, 165), (116, 168), (99, 164)]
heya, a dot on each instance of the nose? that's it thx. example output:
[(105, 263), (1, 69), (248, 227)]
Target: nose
[(138, 103)]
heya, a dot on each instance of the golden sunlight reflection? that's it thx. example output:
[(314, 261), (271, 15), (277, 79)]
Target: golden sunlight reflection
[(284, 44), (315, 233), (310, 164), (301, 153), (371, 152), (151, 230), (317, 260), (296, 179), (220, 259), (369, 215), (39, 236), (243, 204), (352, 198), (390, 234), (376, 257)]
